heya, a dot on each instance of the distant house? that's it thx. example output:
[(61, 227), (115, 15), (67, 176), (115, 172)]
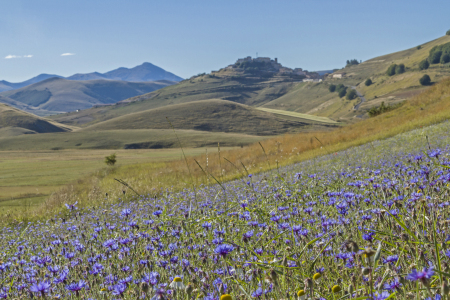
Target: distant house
[(338, 75), (262, 59), (312, 80), (299, 71)]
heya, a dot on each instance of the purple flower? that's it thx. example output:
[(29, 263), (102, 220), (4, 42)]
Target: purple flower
[(41, 287), (75, 287), (423, 275), (224, 249)]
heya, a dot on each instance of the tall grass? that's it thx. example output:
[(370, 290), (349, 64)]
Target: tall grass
[(430, 107)]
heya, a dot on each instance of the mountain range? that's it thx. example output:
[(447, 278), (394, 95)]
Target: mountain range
[(141, 73)]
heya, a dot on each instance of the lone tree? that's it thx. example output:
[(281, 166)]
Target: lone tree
[(400, 69), (368, 82), (391, 70), (342, 92), (111, 159), (424, 64), (332, 88), (448, 32), (425, 80), (351, 94)]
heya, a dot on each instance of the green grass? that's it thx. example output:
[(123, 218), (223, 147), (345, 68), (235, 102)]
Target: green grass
[(118, 139), (15, 118), (27, 178), (298, 115), (215, 116)]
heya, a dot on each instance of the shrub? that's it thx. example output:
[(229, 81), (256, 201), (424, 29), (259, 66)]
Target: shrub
[(448, 32), (425, 80), (400, 69), (342, 92), (352, 62), (332, 88), (368, 82), (419, 47), (391, 70), (445, 58), (351, 94), (378, 110), (435, 57), (111, 159), (424, 64)]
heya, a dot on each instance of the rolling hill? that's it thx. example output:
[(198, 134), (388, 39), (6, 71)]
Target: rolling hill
[(16, 122), (62, 95), (214, 116), (142, 73)]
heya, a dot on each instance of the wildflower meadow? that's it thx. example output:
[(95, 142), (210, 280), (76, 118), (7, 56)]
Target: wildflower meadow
[(370, 222)]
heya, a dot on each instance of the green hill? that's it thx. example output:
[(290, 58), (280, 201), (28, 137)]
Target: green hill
[(14, 121), (215, 116)]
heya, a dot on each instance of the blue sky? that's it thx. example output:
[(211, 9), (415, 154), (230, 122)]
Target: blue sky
[(191, 37)]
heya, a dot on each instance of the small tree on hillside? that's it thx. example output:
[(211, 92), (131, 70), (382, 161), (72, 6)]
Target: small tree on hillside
[(448, 32), (445, 58), (425, 80), (332, 88), (351, 94), (368, 82), (342, 92), (435, 58), (391, 70), (424, 64), (111, 159), (400, 69)]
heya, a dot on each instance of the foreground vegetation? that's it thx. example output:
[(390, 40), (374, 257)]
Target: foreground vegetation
[(366, 223)]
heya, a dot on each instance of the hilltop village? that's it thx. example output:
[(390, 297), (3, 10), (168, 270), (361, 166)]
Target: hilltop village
[(266, 64)]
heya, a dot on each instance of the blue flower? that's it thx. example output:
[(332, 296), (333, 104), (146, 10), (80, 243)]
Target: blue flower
[(224, 250)]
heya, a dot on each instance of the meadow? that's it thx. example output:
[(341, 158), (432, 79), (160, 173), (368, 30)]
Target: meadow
[(28, 178), (366, 223)]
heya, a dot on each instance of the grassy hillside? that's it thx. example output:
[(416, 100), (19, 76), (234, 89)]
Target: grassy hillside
[(13, 121), (232, 85), (214, 116), (58, 94), (124, 139)]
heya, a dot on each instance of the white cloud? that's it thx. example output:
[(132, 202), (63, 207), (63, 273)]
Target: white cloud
[(67, 54), (12, 56), (28, 56)]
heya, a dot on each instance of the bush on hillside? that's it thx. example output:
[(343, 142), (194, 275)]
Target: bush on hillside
[(424, 64), (399, 69), (368, 82), (378, 110), (111, 159), (419, 47), (425, 80), (435, 58), (351, 94), (332, 88), (445, 58), (391, 70), (448, 32), (342, 92), (437, 51), (352, 62)]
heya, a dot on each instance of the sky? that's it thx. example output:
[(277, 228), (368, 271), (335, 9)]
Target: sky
[(191, 37)]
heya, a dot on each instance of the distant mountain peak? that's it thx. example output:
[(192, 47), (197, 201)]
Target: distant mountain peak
[(141, 73)]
